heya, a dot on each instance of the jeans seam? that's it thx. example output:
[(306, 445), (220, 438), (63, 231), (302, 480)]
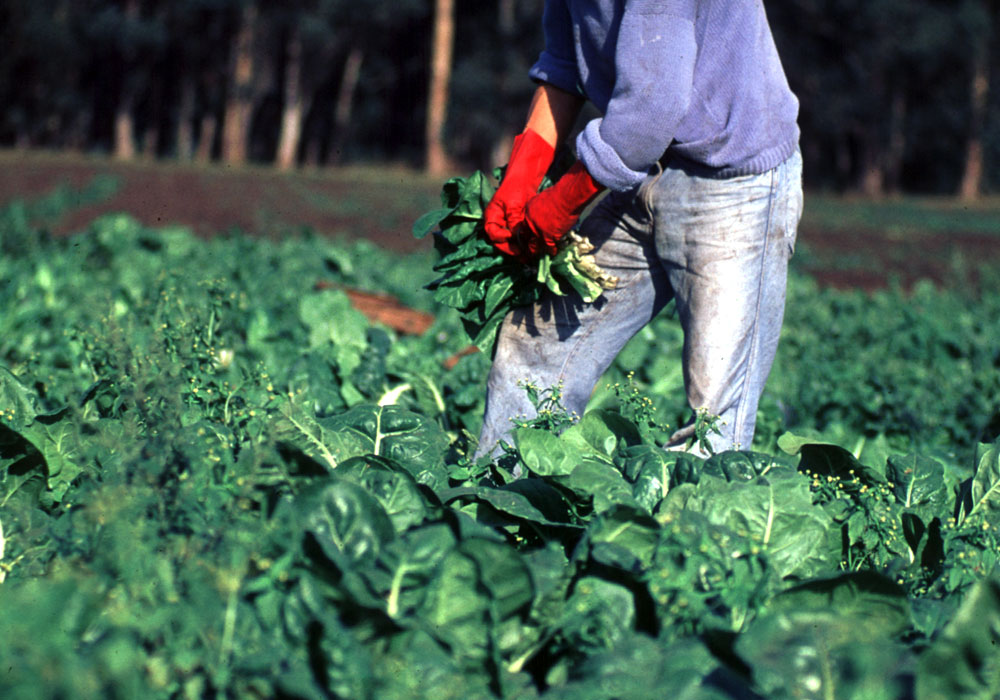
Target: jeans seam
[(742, 402)]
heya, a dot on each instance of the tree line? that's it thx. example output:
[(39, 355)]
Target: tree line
[(896, 95)]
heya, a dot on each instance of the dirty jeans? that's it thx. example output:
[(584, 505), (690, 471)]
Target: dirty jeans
[(719, 247)]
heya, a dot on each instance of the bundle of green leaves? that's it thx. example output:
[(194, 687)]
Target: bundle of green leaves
[(482, 283)]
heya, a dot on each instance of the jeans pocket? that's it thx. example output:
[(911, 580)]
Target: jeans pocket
[(794, 202), (646, 192), (794, 217)]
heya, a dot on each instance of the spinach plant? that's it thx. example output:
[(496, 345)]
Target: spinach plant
[(483, 284)]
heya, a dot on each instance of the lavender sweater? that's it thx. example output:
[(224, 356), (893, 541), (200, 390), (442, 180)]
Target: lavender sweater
[(695, 80)]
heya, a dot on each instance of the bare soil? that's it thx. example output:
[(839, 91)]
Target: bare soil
[(381, 204), (872, 260)]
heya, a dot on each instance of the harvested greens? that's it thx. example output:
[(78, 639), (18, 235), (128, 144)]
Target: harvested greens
[(483, 284)]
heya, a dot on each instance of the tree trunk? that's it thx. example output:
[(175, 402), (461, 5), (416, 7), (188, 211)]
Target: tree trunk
[(239, 102), (77, 131), (872, 172), (294, 107), (507, 17), (507, 25), (972, 176), (843, 159), (124, 131), (124, 145), (437, 103), (150, 142), (872, 136), (185, 120), (344, 108), (897, 139), (206, 137)]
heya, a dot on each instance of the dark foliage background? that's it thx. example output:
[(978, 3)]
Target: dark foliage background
[(896, 95)]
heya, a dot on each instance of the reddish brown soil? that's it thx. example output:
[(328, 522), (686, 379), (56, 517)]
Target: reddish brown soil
[(261, 201), (872, 260), (217, 199)]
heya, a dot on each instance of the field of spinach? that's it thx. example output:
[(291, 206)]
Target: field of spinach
[(218, 479)]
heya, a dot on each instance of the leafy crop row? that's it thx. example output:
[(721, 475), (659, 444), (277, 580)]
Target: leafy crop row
[(218, 479)]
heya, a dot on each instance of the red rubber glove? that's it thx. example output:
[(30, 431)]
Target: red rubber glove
[(530, 158), (550, 215)]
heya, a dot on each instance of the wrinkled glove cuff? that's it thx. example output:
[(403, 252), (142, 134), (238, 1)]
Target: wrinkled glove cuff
[(577, 188), (530, 159), (552, 213)]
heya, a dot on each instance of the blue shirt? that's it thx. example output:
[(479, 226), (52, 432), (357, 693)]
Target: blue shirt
[(698, 81)]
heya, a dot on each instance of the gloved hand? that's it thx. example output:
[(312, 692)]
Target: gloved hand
[(530, 158), (549, 215)]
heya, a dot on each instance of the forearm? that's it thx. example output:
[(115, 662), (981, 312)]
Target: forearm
[(553, 113)]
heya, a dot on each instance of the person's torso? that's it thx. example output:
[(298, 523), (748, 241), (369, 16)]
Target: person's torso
[(737, 81)]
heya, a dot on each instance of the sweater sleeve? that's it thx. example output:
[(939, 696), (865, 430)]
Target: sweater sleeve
[(557, 63), (654, 74)]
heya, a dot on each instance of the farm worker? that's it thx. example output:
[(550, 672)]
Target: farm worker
[(697, 147)]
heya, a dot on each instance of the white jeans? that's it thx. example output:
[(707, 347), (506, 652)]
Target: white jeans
[(720, 247)]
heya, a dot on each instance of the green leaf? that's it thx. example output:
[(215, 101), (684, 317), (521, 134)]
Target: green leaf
[(300, 428), (346, 521), (822, 458), (485, 337), (468, 262), (451, 192), (453, 264), (22, 468), (429, 221), (872, 597), (624, 537), (411, 440), (59, 444), (739, 466), (415, 665), (458, 231), (544, 453), (831, 639), (460, 295), (678, 671), (601, 481), (508, 500), (498, 291), (330, 318), (601, 432), (503, 573), (963, 662), (598, 615), (984, 493), (349, 668), (475, 192), (33, 444), (457, 608), (649, 469), (395, 489), (553, 503), (918, 485), (705, 576), (930, 616), (17, 404), (408, 565), (777, 512)]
